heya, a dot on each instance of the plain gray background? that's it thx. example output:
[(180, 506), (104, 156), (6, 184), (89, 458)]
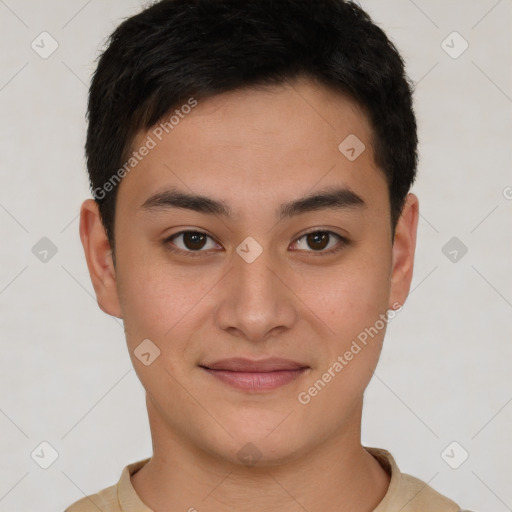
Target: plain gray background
[(444, 376)]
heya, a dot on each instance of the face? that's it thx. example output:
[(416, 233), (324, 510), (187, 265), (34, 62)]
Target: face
[(262, 272)]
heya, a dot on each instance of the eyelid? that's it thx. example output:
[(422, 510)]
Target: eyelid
[(343, 242)]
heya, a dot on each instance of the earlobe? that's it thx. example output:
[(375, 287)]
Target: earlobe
[(404, 247), (98, 255)]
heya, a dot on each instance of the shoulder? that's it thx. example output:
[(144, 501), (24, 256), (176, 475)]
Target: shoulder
[(115, 498), (105, 501), (408, 493), (418, 495)]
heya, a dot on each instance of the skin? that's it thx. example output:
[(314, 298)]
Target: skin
[(291, 302)]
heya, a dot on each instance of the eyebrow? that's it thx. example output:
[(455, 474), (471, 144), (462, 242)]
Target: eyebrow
[(328, 199)]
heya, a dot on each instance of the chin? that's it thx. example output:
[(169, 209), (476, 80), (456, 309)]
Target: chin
[(264, 447)]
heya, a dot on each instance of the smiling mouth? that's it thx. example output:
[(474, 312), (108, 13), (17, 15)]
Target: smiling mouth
[(256, 376)]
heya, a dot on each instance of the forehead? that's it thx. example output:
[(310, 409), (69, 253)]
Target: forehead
[(273, 142)]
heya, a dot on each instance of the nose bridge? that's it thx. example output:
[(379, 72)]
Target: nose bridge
[(255, 279)]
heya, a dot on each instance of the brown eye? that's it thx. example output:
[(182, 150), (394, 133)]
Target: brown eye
[(317, 241), (194, 241), (191, 242)]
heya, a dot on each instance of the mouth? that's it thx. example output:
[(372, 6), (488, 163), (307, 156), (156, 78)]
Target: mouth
[(256, 376)]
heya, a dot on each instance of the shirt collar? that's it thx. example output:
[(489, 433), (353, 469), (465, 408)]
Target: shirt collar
[(129, 500)]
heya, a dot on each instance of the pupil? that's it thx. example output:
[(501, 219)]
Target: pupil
[(196, 242), (315, 238)]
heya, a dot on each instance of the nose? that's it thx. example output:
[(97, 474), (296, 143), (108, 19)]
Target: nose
[(257, 301)]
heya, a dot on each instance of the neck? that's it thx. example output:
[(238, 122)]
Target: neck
[(336, 475)]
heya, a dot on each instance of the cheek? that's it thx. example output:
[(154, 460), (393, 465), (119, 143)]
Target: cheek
[(352, 295), (148, 295), (352, 303), (353, 309), (160, 300), (155, 308)]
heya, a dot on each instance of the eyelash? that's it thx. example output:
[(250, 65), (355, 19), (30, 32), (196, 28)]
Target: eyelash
[(194, 254)]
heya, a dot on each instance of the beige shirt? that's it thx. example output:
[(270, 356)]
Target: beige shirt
[(405, 493)]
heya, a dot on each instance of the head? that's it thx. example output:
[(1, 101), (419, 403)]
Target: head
[(282, 135)]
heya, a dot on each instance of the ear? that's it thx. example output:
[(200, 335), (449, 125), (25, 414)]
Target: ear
[(404, 246), (99, 258)]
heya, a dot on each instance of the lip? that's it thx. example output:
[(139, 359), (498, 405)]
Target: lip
[(241, 364), (256, 376)]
